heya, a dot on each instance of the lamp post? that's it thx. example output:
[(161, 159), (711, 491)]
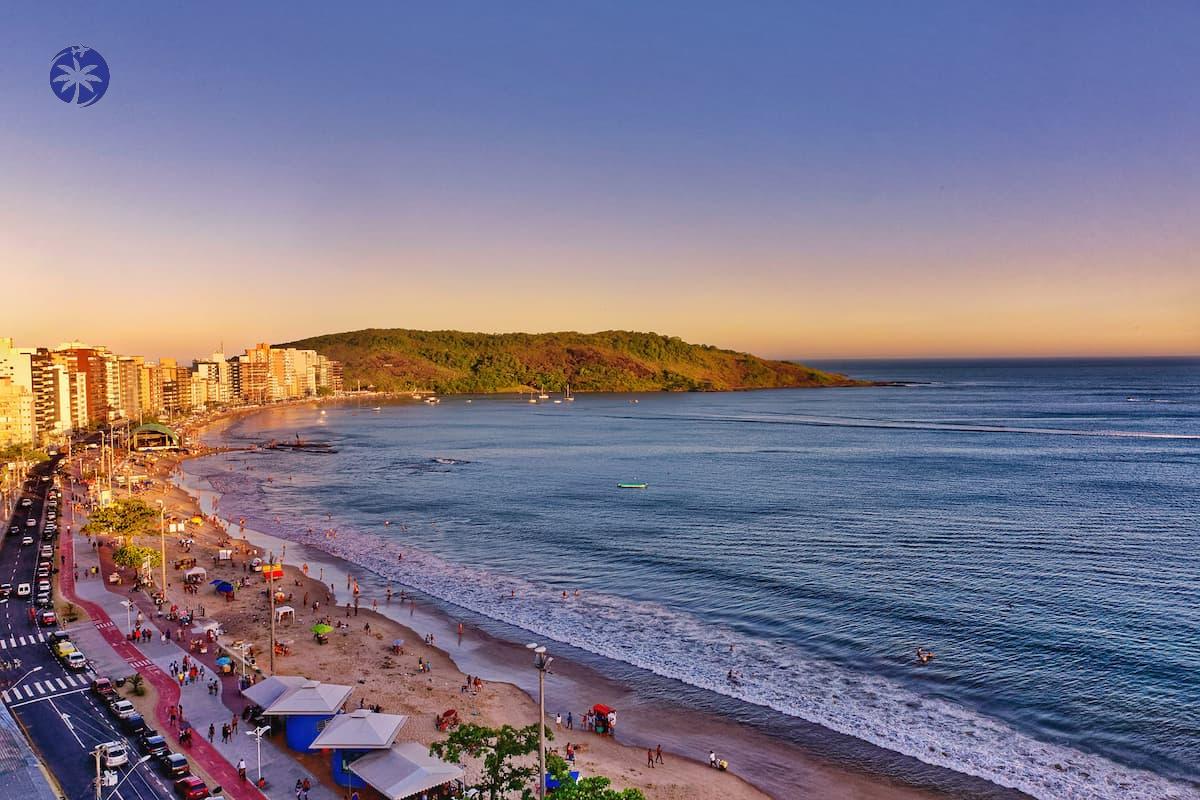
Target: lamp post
[(271, 590), (258, 734), (128, 615), (162, 544), (541, 662), (96, 754), (26, 675)]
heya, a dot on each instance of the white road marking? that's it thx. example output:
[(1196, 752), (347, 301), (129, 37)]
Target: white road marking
[(61, 684), (38, 685)]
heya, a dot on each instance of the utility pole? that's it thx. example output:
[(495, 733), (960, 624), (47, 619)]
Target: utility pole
[(99, 785), (162, 544), (541, 662), (271, 587)]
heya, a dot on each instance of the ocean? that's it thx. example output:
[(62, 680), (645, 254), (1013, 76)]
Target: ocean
[(1035, 524)]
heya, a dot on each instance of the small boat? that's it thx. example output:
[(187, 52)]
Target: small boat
[(433, 401), (542, 394), (377, 409), (558, 402), (570, 398), (632, 485)]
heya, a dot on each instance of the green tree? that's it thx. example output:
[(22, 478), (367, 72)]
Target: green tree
[(593, 788), (132, 556), (497, 748), (127, 517)]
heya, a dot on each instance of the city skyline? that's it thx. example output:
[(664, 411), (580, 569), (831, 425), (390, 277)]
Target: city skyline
[(803, 183)]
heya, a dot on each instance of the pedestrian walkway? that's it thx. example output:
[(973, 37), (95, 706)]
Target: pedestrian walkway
[(201, 709)]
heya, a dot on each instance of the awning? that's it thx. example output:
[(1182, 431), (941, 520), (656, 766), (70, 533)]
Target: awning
[(360, 730), (404, 770), (196, 572)]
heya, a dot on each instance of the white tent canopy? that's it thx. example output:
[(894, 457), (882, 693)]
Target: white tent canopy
[(404, 770), (196, 572), (360, 730), (264, 693), (285, 611)]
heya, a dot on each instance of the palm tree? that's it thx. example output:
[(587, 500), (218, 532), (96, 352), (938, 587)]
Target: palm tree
[(76, 77)]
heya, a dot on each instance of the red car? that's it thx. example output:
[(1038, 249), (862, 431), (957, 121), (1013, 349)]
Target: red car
[(191, 788), (47, 618), (103, 687)]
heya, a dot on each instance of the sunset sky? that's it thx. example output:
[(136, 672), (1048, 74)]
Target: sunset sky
[(799, 180)]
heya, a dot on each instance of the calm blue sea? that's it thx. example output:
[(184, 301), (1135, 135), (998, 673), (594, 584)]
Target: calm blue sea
[(1034, 523)]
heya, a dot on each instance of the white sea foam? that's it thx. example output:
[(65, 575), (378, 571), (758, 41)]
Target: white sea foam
[(775, 675)]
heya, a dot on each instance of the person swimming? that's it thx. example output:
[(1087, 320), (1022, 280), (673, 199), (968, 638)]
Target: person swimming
[(924, 656)]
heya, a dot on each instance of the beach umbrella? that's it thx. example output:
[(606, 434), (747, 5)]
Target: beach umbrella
[(397, 643), (321, 628), (224, 661)]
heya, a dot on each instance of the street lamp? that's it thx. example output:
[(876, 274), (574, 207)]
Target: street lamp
[(128, 612), (258, 734), (26, 675), (541, 662), (99, 784)]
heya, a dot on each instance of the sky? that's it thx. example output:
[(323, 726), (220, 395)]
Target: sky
[(800, 180)]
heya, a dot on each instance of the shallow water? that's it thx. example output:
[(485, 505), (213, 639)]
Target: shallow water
[(1033, 523)]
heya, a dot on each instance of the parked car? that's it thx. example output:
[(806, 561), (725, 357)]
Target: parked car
[(191, 788), (103, 688), (26, 502), (13, 530), (44, 601), (113, 754), (24, 590), (26, 541), (76, 661), (47, 618), (151, 742), (133, 724), (122, 708), (31, 523), (173, 765)]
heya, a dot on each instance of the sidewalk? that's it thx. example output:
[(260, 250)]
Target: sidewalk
[(152, 659)]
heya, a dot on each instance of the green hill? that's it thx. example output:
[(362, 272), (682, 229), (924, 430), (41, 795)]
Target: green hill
[(453, 362)]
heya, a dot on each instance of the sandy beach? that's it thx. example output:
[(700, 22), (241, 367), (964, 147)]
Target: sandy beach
[(359, 652)]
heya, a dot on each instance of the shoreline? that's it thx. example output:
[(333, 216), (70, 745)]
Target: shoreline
[(502, 702), (810, 758)]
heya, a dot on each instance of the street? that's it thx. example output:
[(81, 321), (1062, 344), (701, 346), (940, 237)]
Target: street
[(55, 706)]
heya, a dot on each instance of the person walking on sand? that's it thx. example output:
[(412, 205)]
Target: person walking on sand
[(658, 755), (712, 759), (570, 721), (649, 758), (558, 720)]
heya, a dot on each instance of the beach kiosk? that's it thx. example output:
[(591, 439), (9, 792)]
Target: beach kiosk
[(285, 614), (195, 575), (304, 706), (404, 770), (354, 735)]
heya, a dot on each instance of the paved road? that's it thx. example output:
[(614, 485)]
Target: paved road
[(53, 704)]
